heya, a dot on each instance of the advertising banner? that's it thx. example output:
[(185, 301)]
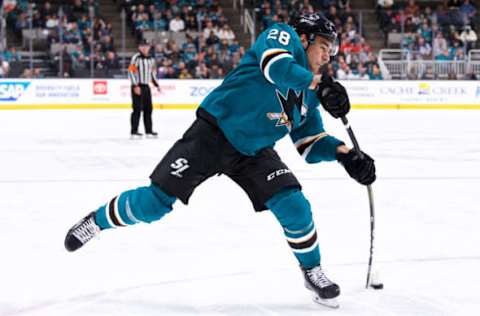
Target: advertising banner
[(97, 93), (414, 94), (187, 94)]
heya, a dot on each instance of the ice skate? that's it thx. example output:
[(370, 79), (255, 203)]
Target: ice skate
[(152, 134), (82, 232), (136, 135), (324, 291)]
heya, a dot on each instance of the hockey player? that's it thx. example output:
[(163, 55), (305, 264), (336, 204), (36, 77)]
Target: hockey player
[(274, 91)]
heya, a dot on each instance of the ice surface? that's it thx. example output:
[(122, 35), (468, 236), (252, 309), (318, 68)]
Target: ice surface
[(216, 256)]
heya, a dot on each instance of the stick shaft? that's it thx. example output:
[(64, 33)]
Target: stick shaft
[(372, 234), (346, 124)]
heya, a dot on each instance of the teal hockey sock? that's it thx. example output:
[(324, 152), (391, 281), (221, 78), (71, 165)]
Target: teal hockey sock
[(144, 204), (292, 210)]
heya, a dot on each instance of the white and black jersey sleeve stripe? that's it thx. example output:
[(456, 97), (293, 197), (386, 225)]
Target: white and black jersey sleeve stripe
[(269, 57), (304, 145)]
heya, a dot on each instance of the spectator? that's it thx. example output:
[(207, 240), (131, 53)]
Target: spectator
[(411, 9), (424, 49), (177, 24), (409, 41), (362, 73), (426, 32), (330, 70), (184, 74), (410, 27), (452, 75), (4, 68), (376, 74), (106, 44), (37, 73), (27, 74), (344, 72), (190, 53), (79, 61), (47, 10), (333, 16), (212, 60), (468, 37), (350, 29), (412, 74), (347, 13), (428, 74), (468, 11), (201, 71), (212, 39), (51, 21), (226, 33), (444, 56), (209, 28), (11, 54), (21, 23), (234, 46), (453, 35), (191, 23), (441, 15), (453, 49), (267, 18), (439, 44), (385, 3), (470, 75), (78, 8), (454, 13), (111, 61), (67, 62), (159, 22), (459, 55)]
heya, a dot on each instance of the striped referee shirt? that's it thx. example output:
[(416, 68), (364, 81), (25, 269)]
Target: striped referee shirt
[(142, 69)]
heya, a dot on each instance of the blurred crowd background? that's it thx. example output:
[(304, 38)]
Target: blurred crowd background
[(205, 39)]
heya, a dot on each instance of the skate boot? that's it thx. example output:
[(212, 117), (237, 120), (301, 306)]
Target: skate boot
[(81, 232), (136, 135), (152, 134), (324, 291)]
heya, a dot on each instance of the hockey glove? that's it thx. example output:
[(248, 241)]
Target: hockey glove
[(333, 97), (360, 169)]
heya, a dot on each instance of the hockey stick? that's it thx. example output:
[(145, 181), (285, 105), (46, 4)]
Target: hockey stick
[(372, 207)]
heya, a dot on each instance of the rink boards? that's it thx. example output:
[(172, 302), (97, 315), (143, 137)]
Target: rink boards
[(188, 94)]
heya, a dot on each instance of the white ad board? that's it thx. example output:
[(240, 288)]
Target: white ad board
[(187, 94)]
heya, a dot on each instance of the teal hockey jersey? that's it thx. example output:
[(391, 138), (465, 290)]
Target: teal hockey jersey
[(266, 97)]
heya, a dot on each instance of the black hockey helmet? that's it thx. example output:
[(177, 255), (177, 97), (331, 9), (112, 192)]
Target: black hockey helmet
[(316, 24), (144, 42)]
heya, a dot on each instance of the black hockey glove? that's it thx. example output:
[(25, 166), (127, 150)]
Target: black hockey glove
[(333, 97), (360, 169)]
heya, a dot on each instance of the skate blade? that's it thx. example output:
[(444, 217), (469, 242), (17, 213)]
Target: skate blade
[(328, 302)]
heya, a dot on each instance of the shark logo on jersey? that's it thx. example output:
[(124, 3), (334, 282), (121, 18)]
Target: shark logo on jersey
[(293, 101)]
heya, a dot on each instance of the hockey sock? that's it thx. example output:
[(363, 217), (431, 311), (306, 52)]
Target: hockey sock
[(144, 204), (292, 210)]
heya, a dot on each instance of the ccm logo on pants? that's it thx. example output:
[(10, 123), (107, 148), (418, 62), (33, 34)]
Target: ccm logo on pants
[(277, 173), (179, 166)]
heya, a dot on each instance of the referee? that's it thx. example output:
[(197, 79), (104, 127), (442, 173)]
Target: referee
[(141, 71)]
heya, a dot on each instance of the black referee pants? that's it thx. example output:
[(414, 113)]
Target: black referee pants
[(141, 103)]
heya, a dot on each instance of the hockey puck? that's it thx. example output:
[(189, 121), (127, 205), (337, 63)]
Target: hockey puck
[(378, 286)]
